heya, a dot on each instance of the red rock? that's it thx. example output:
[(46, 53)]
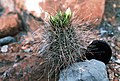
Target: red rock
[(83, 10), (9, 25)]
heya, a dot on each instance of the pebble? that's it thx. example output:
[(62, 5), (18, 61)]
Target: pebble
[(25, 47), (118, 28), (28, 50), (114, 5), (113, 59), (112, 44), (103, 32), (118, 61), (7, 40), (4, 49), (116, 67)]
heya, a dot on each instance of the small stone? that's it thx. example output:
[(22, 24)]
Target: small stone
[(25, 47), (112, 44), (7, 40), (116, 67), (114, 5), (4, 49), (103, 32), (118, 61), (28, 50), (113, 59), (40, 9), (118, 28)]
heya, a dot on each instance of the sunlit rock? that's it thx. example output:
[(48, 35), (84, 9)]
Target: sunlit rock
[(9, 25), (89, 11), (92, 70)]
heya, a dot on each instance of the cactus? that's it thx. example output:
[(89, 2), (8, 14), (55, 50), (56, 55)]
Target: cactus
[(64, 48)]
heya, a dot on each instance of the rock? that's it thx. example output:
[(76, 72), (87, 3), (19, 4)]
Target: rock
[(118, 61), (4, 49), (112, 44), (26, 47), (118, 28), (92, 70), (103, 32), (83, 10), (27, 50), (9, 25), (8, 5), (7, 40)]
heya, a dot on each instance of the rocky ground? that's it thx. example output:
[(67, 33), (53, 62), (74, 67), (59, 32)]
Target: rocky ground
[(23, 35)]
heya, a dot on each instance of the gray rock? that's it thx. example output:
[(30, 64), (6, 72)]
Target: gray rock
[(112, 44), (92, 70), (103, 32), (7, 40), (117, 61), (118, 28), (4, 49), (27, 50)]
